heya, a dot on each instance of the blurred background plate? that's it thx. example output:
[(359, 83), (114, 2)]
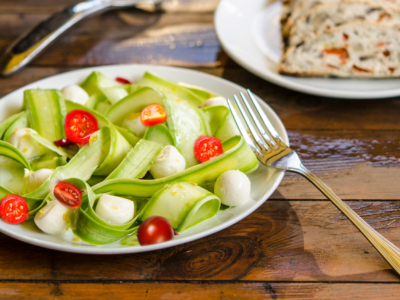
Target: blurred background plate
[(249, 31)]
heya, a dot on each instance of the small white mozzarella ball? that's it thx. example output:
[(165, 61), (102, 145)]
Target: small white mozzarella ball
[(115, 210), (34, 179), (216, 101), (134, 122), (26, 144), (54, 218), (169, 162), (75, 94), (233, 188)]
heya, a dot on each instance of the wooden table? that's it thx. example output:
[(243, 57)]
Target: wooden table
[(297, 245)]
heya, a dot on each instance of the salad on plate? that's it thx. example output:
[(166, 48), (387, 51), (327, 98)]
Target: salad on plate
[(118, 162)]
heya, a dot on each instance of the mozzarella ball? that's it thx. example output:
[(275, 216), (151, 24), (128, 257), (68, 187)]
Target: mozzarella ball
[(134, 122), (115, 210), (216, 101), (233, 188), (26, 144), (169, 162), (54, 218), (75, 93), (33, 180)]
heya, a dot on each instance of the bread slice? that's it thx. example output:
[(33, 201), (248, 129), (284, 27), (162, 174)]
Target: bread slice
[(360, 49), (301, 8), (287, 9), (327, 16)]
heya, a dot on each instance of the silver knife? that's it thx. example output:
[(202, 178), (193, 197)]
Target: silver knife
[(29, 45)]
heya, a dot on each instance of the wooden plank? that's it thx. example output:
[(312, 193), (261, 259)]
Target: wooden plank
[(306, 112), (50, 6), (182, 39), (193, 291), (114, 24), (28, 6), (319, 243), (281, 241), (362, 164)]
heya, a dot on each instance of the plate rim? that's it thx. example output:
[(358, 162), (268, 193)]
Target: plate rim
[(104, 250), (280, 80)]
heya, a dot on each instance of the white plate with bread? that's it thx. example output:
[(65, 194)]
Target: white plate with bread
[(346, 49)]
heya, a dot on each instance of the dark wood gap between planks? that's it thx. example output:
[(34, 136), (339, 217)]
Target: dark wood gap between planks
[(158, 281)]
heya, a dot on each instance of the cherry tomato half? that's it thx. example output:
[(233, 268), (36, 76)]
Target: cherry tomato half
[(122, 80), (153, 114), (14, 209), (68, 194), (207, 147), (79, 125), (155, 230)]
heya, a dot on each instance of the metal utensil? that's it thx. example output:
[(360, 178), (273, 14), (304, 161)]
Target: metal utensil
[(270, 149), (33, 42)]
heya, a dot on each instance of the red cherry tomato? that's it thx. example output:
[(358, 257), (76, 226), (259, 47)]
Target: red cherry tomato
[(79, 125), (155, 230), (63, 142), (153, 114), (14, 209), (122, 80), (207, 147), (68, 194)]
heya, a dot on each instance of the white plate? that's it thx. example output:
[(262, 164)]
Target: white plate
[(264, 181), (249, 31)]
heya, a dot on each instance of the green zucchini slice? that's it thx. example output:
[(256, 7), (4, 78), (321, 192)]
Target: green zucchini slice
[(221, 122), (103, 92), (237, 156), (49, 145), (82, 165), (118, 146), (8, 122), (184, 204), (138, 161), (133, 103), (10, 151), (215, 116), (46, 111), (48, 162), (128, 135), (186, 124), (89, 227), (200, 92), (169, 87), (159, 134), (20, 122)]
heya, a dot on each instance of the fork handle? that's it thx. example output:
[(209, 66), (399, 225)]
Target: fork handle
[(389, 251)]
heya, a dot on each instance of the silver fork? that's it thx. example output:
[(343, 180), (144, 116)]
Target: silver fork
[(270, 149)]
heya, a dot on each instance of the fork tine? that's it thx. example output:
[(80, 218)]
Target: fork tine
[(253, 132), (270, 143), (267, 123), (242, 129)]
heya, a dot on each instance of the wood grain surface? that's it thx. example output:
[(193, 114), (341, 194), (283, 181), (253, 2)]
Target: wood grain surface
[(297, 245), (197, 291)]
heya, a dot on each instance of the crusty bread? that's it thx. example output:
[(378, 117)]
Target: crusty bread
[(360, 49), (292, 12), (327, 16)]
